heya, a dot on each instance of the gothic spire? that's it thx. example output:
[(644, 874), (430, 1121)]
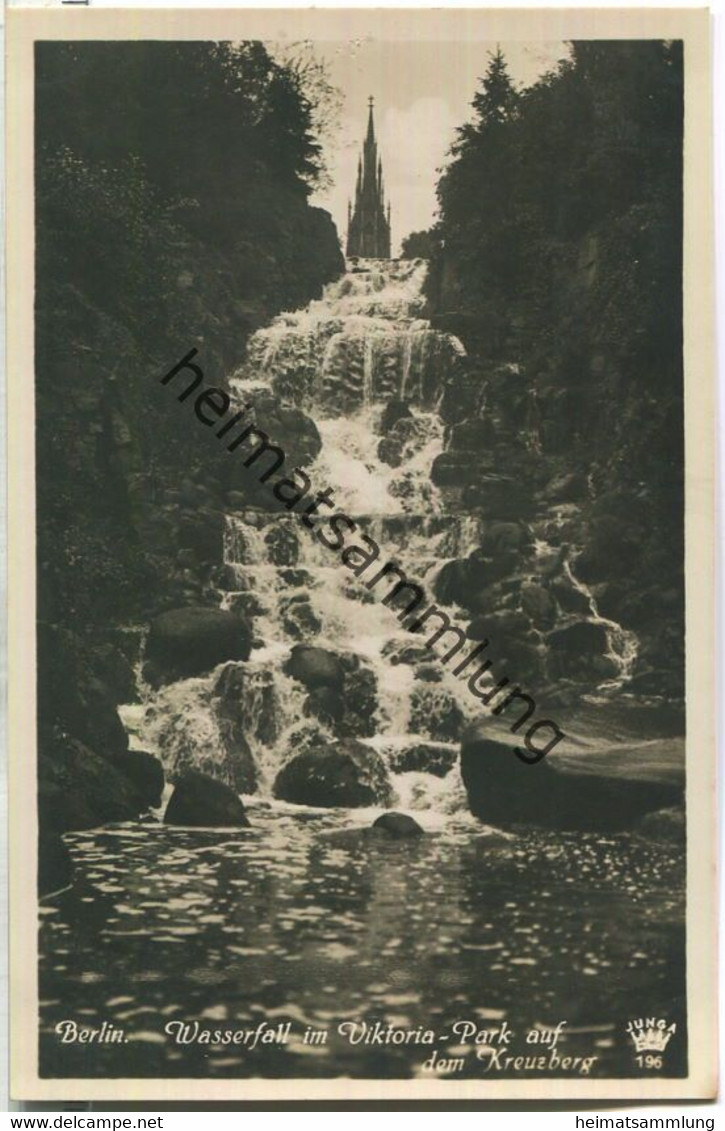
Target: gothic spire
[(368, 229), (371, 124)]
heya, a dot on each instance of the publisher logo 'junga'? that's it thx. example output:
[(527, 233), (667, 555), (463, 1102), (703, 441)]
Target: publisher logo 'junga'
[(651, 1034)]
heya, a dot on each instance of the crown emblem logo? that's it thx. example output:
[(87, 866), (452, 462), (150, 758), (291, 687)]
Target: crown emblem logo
[(651, 1034)]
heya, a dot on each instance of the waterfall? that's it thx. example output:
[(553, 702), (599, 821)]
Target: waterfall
[(363, 344), (343, 359)]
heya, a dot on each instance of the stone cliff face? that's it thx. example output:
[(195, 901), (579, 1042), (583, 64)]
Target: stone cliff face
[(579, 434)]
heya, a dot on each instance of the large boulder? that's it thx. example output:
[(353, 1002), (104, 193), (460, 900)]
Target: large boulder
[(455, 583), (589, 789), (425, 757), (79, 789), (315, 667), (399, 826), (343, 773), (667, 825), (200, 801), (190, 641), (146, 773)]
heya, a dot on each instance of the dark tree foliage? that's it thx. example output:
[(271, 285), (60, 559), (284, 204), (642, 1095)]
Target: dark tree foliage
[(560, 249), (172, 185), (419, 245)]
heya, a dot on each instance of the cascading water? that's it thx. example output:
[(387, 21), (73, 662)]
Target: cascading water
[(342, 359), (622, 644)]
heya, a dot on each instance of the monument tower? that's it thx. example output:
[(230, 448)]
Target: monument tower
[(368, 224)]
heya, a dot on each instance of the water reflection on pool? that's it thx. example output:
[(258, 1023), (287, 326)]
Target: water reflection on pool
[(306, 918)]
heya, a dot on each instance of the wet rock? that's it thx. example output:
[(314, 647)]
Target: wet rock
[(497, 496), (558, 793), (406, 438), (100, 725), (427, 673), (243, 702), (499, 625), (203, 534), (325, 704), (282, 545), (452, 469), (654, 681), (200, 801), (237, 500), (455, 583), (55, 867), (667, 825), (189, 641), (296, 577), (570, 599), (116, 673), (394, 411), (410, 654), (435, 712), (472, 436), (344, 773), (71, 693), (298, 617), (488, 568), (502, 594), (288, 429), (244, 604), (79, 789), (398, 825), (301, 439), (613, 544), (461, 399), (424, 757), (568, 487), (147, 774), (580, 641), (511, 538), (315, 667), (606, 667), (538, 604)]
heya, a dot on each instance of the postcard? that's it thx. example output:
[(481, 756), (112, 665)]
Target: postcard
[(361, 424)]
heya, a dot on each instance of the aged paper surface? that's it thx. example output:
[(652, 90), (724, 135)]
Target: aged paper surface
[(352, 544)]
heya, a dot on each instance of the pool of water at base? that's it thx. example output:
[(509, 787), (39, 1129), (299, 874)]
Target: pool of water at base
[(309, 918)]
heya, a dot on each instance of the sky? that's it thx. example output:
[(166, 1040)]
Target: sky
[(422, 92)]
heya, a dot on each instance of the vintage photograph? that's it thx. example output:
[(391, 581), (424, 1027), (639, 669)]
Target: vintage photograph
[(363, 740)]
